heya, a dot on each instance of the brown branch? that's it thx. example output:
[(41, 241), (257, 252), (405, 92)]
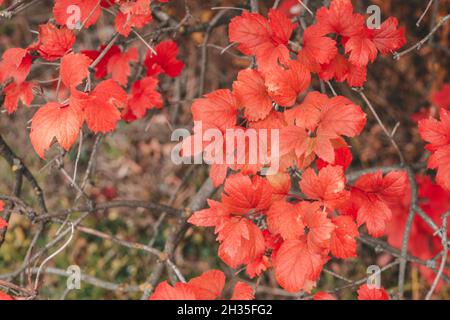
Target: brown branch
[(407, 231), (204, 50), (160, 208), (444, 257), (381, 124), (24, 291), (16, 193), (17, 164), (111, 286), (197, 202), (419, 44)]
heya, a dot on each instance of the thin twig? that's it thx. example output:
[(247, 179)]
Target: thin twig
[(424, 13), (381, 124), (419, 44), (443, 259)]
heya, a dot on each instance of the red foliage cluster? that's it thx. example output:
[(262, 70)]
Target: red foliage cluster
[(257, 222), (107, 103)]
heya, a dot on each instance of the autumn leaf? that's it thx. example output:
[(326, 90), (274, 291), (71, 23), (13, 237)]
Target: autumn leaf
[(165, 60), (437, 133), (102, 111), (55, 121), (3, 223), (54, 42), (343, 242), (241, 242), (296, 266), (181, 291), (132, 14), (218, 108), (119, 65), (15, 64), (285, 219), (367, 293), (242, 291), (251, 94), (209, 285), (15, 92), (372, 194), (340, 19), (328, 186), (244, 195), (74, 69), (144, 96)]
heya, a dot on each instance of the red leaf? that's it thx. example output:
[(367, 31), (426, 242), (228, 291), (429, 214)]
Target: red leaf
[(388, 38), (318, 225), (251, 93), (244, 195), (436, 132), (4, 296), (251, 31), (361, 49), (132, 14), (257, 266), (208, 286), (242, 291), (366, 293), (119, 65), (440, 160), (267, 39), (323, 296), (102, 110), (285, 85), (53, 42), (307, 114), (3, 223), (316, 47), (342, 157), (15, 92), (181, 291), (241, 242), (340, 19), (442, 97), (281, 185), (329, 118), (296, 266), (340, 116), (144, 96), (101, 67), (342, 70), (74, 69), (218, 108), (214, 216), (343, 243), (328, 186), (372, 194), (285, 218), (54, 120), (165, 60), (16, 64)]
